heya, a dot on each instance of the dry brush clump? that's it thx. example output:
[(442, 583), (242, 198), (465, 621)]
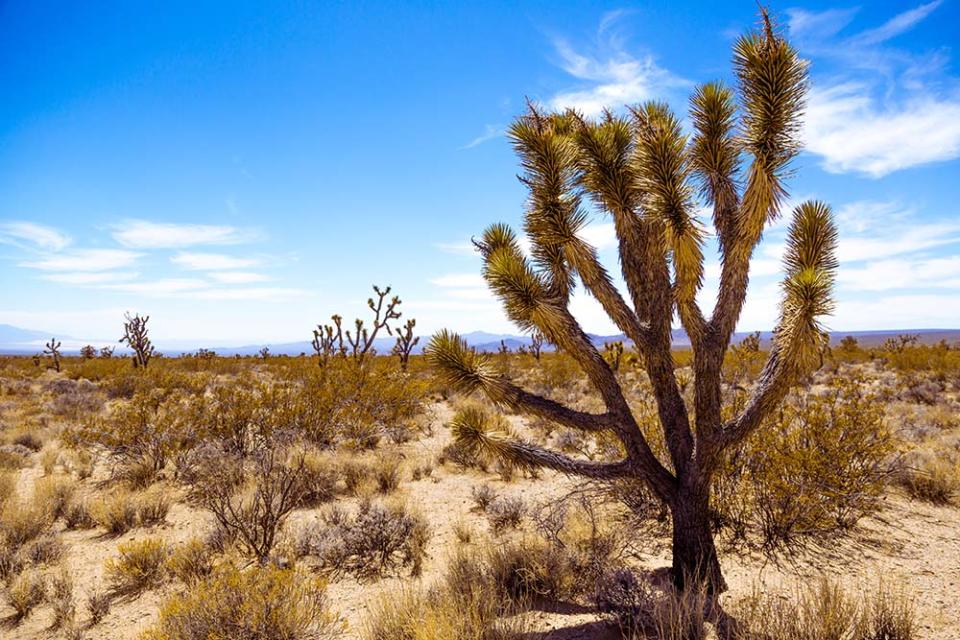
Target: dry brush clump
[(379, 539), (258, 603)]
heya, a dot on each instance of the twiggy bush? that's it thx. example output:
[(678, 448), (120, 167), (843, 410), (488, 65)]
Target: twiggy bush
[(98, 605), (140, 435), (22, 521), (505, 512), (191, 562), (387, 473), (378, 540), (821, 466), (931, 476), (253, 511), (62, 600), (262, 603), (139, 566), (153, 506), (25, 592), (116, 512)]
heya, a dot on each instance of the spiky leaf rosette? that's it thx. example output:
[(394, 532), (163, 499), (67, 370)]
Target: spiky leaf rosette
[(662, 167), (810, 266), (715, 151), (458, 366), (773, 84)]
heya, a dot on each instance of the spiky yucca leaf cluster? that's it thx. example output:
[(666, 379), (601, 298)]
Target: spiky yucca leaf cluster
[(810, 266)]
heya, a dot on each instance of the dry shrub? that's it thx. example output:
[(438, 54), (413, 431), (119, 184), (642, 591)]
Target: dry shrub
[(22, 521), (931, 476), (62, 601), (139, 566), (116, 512), (191, 562), (251, 498), (53, 493), (25, 592), (262, 603), (45, 549), (483, 496), (153, 506), (77, 515), (98, 605), (319, 478), (378, 540), (824, 610), (506, 512), (387, 473), (822, 466), (140, 435)]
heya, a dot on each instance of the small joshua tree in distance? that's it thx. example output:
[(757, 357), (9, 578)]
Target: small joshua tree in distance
[(136, 335), (331, 340), (88, 352), (536, 344), (406, 341), (644, 172), (106, 352), (52, 350)]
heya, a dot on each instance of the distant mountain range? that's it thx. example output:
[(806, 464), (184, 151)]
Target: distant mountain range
[(19, 341)]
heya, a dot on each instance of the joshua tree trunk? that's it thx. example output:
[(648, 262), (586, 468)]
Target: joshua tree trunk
[(694, 552), (643, 171)]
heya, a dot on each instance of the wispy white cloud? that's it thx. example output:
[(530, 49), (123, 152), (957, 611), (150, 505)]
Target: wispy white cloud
[(33, 235), (459, 280), (490, 132), (884, 109), (158, 288), (91, 278), (237, 277), (84, 260), (212, 261), (459, 248), (611, 77), (144, 234), (250, 293), (896, 25), (916, 274), (853, 132)]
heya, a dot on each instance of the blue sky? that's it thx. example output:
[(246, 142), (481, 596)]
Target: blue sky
[(242, 170)]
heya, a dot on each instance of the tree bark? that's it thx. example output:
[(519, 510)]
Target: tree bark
[(695, 560)]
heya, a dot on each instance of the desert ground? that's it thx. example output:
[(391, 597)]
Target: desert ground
[(80, 487)]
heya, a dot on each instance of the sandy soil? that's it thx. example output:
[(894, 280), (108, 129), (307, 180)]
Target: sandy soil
[(910, 544)]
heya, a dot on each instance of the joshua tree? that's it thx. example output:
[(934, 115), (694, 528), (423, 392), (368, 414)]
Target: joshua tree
[(536, 344), (88, 352), (136, 335), (52, 350), (328, 340), (643, 171), (614, 354), (406, 341), (106, 352)]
